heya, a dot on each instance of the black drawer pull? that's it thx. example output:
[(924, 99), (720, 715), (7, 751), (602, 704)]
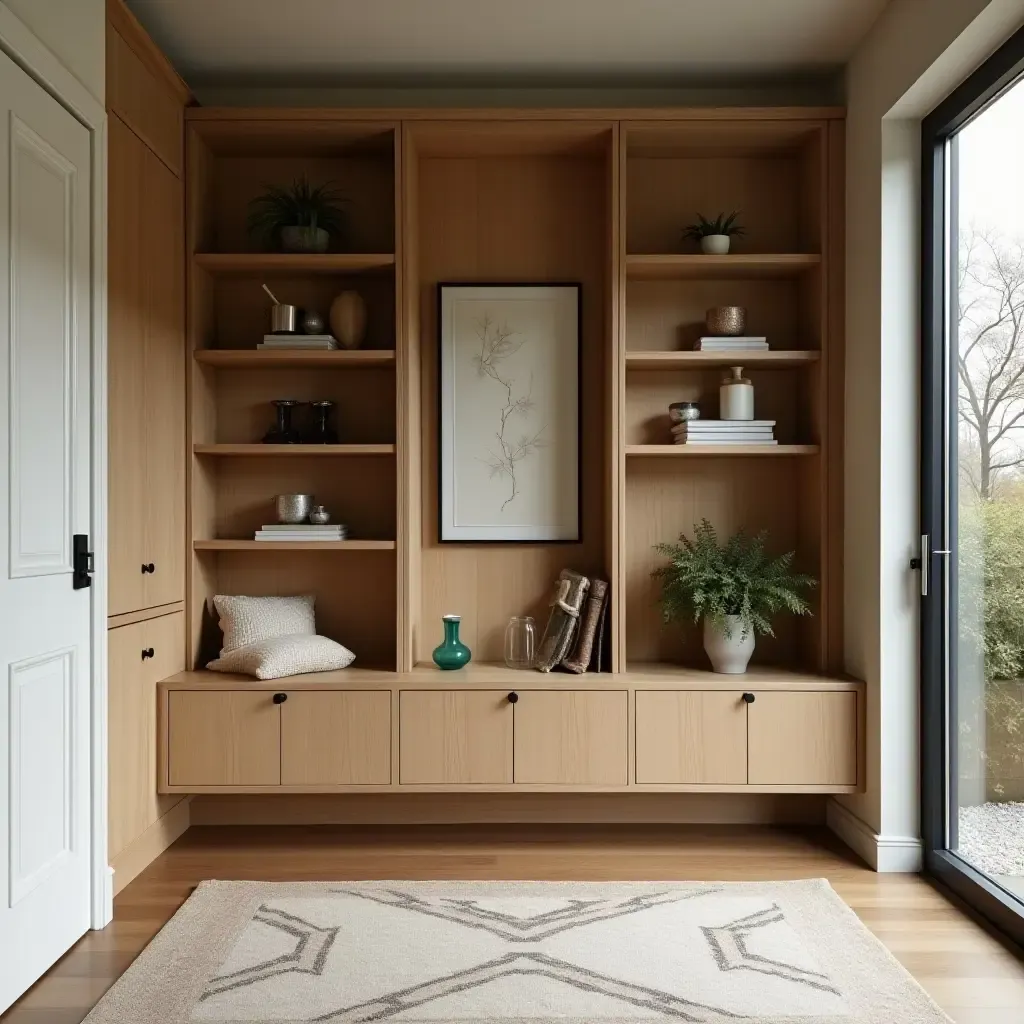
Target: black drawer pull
[(748, 698), (280, 698), (148, 567), (147, 652), (513, 697)]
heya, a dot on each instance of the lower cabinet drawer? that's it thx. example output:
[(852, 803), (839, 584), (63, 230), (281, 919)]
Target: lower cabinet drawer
[(336, 738), (223, 738), (691, 737), (571, 737), (803, 739), (455, 737)]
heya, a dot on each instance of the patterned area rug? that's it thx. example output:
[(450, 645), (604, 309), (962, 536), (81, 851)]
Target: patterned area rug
[(515, 952)]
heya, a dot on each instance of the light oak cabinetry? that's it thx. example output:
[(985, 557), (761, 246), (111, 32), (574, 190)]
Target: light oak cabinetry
[(455, 737), (139, 656), (571, 737)]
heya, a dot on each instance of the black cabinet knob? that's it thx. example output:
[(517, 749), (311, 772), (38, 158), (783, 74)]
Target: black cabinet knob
[(280, 698), (748, 698), (513, 697), (148, 567), (147, 652)]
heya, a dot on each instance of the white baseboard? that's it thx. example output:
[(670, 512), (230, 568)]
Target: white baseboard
[(895, 854)]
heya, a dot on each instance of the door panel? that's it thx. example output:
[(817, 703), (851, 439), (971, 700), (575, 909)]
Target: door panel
[(691, 737), (336, 738), (163, 386), (223, 738), (45, 476), (134, 802), (803, 739), (571, 737), (455, 737)]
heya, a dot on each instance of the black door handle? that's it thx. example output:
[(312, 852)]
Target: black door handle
[(748, 698), (147, 652), (148, 567), (513, 697), (82, 562), (280, 698)]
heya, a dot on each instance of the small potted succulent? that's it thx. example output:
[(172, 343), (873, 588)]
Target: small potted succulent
[(715, 235), (299, 218), (735, 587)]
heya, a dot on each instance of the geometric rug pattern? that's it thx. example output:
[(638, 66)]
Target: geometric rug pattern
[(515, 953)]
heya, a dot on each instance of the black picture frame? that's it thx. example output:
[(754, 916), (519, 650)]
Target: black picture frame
[(439, 303)]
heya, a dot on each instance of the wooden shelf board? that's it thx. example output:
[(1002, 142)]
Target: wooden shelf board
[(696, 360), (292, 263), (737, 265), (255, 359), (664, 675), (321, 450), (294, 545), (719, 450)]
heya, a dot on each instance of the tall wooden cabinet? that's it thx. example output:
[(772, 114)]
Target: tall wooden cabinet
[(146, 430)]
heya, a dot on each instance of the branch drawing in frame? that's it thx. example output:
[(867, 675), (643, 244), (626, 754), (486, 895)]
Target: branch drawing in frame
[(508, 414)]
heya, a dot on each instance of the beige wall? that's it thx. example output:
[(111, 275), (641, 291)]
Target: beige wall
[(75, 30), (916, 52)]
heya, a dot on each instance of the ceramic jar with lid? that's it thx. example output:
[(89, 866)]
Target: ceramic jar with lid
[(736, 396)]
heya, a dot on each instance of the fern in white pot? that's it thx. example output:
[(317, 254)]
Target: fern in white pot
[(735, 587)]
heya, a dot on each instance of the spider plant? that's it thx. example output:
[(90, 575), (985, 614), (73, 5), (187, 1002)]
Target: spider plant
[(314, 208), (723, 224)]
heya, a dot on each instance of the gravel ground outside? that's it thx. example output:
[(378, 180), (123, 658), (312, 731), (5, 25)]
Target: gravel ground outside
[(992, 837)]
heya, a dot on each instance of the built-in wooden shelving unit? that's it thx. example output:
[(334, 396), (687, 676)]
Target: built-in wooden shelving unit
[(718, 268)]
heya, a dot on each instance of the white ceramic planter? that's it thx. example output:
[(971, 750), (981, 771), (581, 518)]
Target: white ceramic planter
[(714, 245), (729, 655)]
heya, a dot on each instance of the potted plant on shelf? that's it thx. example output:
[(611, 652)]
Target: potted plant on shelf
[(735, 587), (299, 218), (714, 236)]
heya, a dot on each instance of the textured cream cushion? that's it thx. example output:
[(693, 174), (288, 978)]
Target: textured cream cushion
[(284, 656), (248, 620)]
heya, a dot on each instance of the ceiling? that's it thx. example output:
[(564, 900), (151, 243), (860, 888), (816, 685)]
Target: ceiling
[(543, 41)]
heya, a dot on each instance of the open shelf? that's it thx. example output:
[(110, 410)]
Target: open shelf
[(736, 265), (763, 677), (293, 263), (718, 450), (701, 360), (259, 359), (328, 450), (294, 545)]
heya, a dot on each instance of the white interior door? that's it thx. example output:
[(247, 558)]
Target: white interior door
[(45, 649)]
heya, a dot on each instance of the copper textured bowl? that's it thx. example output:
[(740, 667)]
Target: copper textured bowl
[(727, 321)]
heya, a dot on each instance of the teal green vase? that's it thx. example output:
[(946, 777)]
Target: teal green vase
[(453, 653)]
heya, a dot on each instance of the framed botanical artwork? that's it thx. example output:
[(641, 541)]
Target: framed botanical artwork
[(509, 416)]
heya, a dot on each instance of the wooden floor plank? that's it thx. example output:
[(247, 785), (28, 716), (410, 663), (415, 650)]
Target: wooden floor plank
[(973, 976)]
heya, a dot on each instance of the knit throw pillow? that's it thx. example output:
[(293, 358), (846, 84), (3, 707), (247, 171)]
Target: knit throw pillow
[(284, 656), (248, 620)]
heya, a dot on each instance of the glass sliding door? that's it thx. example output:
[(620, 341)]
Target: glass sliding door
[(972, 544)]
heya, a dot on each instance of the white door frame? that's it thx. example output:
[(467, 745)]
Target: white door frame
[(29, 53)]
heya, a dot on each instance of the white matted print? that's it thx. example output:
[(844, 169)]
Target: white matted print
[(509, 412)]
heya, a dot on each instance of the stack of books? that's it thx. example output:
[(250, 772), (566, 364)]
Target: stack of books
[(731, 344), (698, 432), (317, 342), (303, 531)]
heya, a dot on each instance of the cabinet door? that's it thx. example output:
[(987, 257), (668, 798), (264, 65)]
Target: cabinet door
[(691, 737), (126, 157), (455, 737), (163, 423), (223, 738), (134, 803), (571, 737), (803, 739), (336, 738)]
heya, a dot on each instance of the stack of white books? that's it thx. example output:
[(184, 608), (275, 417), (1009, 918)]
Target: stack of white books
[(731, 344), (698, 432), (303, 531), (317, 342)]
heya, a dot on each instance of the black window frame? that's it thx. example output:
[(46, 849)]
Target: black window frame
[(939, 129)]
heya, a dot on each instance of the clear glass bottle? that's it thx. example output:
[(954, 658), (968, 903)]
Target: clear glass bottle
[(520, 642)]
